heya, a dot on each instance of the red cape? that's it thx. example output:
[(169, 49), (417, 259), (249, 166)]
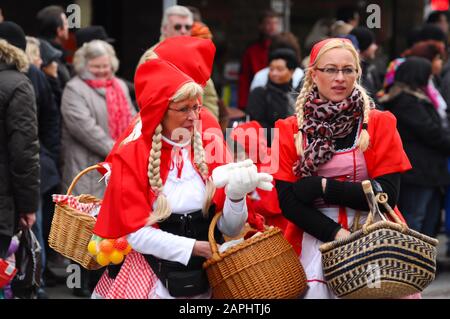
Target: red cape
[(385, 155)]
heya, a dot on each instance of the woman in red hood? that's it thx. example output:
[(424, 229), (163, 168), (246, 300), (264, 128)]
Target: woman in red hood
[(336, 140), (160, 194)]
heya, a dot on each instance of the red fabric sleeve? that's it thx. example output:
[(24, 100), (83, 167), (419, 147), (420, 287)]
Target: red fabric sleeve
[(385, 154), (126, 203), (284, 131)]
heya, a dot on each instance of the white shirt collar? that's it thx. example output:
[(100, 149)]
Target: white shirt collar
[(180, 145)]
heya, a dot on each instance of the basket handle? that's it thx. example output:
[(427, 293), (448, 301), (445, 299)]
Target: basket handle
[(75, 180), (382, 198), (373, 201), (212, 241)]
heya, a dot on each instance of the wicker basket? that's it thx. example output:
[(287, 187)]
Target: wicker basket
[(71, 229), (263, 267), (384, 259)]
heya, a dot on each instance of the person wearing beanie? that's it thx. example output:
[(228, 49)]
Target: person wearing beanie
[(335, 140), (370, 78), (275, 100), (19, 143)]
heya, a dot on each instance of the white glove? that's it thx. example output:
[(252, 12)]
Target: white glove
[(241, 178)]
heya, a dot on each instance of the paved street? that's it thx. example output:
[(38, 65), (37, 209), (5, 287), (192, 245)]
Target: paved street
[(439, 289)]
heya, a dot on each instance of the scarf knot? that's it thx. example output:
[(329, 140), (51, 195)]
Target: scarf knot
[(118, 108)]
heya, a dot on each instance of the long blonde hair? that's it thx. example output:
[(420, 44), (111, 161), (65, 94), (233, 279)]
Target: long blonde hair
[(308, 85), (162, 210)]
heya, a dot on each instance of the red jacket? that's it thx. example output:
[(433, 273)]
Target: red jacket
[(255, 58)]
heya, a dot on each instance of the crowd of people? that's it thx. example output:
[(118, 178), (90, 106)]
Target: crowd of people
[(338, 119)]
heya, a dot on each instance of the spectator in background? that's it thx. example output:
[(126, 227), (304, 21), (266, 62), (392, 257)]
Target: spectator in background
[(49, 140), (50, 57), (98, 32), (276, 100), (426, 143), (178, 21), (283, 40), (1, 16), (439, 19), (19, 144), (255, 56), (54, 28), (433, 51), (370, 78)]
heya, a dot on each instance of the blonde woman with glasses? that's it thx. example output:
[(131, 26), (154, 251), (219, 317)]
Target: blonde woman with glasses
[(335, 140)]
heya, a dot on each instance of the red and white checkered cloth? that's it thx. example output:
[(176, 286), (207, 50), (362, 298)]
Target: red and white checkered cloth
[(88, 208), (135, 280)]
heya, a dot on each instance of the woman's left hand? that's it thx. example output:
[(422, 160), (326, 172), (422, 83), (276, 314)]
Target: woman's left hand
[(309, 188), (202, 249), (241, 178)]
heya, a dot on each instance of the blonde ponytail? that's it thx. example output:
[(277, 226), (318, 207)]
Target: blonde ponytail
[(162, 209)]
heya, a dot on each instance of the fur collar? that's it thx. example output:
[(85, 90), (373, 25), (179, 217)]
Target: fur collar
[(12, 55)]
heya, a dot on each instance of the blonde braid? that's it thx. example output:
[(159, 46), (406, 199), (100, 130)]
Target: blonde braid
[(162, 209), (301, 99), (364, 138), (200, 162)]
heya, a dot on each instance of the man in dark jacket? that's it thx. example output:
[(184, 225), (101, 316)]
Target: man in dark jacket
[(54, 28), (19, 145)]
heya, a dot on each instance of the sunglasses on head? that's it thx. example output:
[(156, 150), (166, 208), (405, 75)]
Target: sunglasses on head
[(178, 26)]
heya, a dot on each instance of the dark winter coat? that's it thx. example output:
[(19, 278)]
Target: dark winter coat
[(271, 103), (426, 143), (19, 144)]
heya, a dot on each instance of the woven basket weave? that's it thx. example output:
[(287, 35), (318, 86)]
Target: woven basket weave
[(263, 267), (71, 229), (382, 260)]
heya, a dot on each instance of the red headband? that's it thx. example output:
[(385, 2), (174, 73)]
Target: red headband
[(319, 45)]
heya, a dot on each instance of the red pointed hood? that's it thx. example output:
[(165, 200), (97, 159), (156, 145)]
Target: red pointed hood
[(192, 56)]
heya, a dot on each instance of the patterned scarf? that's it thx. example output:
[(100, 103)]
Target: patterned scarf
[(325, 121), (119, 115)]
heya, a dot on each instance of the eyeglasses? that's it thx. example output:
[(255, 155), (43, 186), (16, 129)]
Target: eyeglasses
[(186, 110), (178, 26), (332, 72)]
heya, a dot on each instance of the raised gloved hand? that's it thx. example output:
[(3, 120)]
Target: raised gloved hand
[(241, 178)]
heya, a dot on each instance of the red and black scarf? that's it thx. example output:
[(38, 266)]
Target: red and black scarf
[(324, 121)]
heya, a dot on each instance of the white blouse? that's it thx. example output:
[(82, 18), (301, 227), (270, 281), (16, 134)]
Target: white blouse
[(185, 195)]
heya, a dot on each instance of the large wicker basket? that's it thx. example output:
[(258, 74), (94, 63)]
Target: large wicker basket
[(384, 259), (262, 267), (71, 229)]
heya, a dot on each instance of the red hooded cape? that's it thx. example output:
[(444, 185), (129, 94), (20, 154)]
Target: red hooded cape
[(197, 64), (385, 155), (128, 199)]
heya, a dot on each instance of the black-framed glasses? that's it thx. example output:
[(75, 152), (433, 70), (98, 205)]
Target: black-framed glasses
[(331, 71), (178, 26), (186, 110)]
